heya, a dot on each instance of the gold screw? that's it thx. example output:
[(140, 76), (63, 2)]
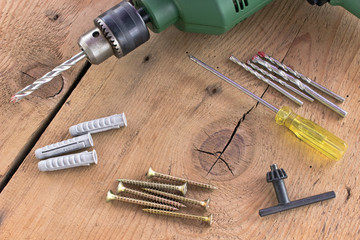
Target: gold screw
[(204, 204), (160, 186), (122, 188), (207, 219), (110, 196), (151, 173)]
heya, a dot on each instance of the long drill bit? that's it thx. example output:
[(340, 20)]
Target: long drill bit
[(48, 77), (234, 84), (267, 81), (301, 76), (299, 84), (272, 77)]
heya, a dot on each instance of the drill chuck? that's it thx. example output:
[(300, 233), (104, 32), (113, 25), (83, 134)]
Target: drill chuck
[(118, 31)]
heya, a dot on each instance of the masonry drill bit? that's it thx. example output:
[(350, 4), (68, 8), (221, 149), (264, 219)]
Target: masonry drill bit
[(47, 77), (301, 76), (266, 73), (267, 81), (306, 130), (299, 84)]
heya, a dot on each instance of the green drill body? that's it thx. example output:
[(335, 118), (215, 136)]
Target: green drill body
[(200, 16), (211, 16), (352, 6)]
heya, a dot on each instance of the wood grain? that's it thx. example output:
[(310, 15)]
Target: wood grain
[(181, 118), (35, 37)]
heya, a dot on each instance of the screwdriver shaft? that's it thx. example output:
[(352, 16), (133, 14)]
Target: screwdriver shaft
[(228, 80), (302, 86), (301, 76), (48, 77), (267, 81)]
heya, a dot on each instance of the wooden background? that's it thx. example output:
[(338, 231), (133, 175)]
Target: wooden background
[(180, 118)]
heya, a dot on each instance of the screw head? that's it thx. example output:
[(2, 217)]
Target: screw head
[(150, 173), (209, 219), (110, 196), (121, 187), (183, 189), (206, 205)]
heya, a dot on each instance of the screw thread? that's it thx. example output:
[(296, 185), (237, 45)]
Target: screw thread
[(111, 196), (207, 219), (155, 198), (151, 173), (160, 186), (204, 204)]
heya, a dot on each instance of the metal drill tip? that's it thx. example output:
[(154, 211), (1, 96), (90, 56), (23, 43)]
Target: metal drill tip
[(272, 68), (301, 76), (48, 77)]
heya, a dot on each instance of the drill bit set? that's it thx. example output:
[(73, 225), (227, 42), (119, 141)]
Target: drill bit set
[(162, 198), (311, 133), (82, 139), (274, 66)]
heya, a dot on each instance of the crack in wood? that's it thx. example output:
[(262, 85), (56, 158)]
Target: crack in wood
[(214, 154), (348, 191), (61, 88), (27, 75), (316, 182), (37, 134), (231, 138)]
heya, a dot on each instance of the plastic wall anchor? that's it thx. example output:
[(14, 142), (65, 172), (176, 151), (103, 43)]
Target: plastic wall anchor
[(63, 147), (99, 125), (68, 161)]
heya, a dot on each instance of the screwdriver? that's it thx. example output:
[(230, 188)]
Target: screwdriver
[(308, 131)]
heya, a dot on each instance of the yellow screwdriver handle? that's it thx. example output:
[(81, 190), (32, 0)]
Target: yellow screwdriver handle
[(311, 133)]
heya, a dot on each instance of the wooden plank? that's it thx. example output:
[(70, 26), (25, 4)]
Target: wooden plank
[(174, 109), (36, 36)]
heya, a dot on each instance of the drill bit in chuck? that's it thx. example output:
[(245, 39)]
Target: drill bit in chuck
[(48, 77)]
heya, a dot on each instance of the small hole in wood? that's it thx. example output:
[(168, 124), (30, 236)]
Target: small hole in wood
[(146, 59)]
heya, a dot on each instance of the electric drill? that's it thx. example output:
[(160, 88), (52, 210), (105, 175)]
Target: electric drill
[(124, 27)]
